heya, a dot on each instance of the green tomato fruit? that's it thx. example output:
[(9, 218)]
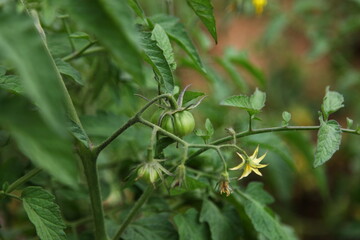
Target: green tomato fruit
[(147, 173), (180, 123)]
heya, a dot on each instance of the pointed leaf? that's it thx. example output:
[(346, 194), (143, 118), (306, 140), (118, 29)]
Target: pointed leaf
[(155, 56), (332, 102), (176, 31), (205, 11), (252, 104), (163, 41), (189, 226), (68, 70), (329, 139), (44, 213)]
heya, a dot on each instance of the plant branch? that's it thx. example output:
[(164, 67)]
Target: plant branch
[(78, 53), (22, 180), (134, 211)]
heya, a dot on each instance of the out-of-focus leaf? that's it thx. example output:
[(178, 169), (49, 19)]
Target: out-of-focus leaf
[(286, 116), (329, 139), (205, 11), (137, 8), (155, 56), (189, 226), (44, 213), (252, 104), (176, 31), (78, 133), (233, 73), (254, 200), (349, 122), (189, 184), (68, 70), (11, 83), (191, 95), (45, 147), (332, 102), (163, 41), (110, 21), (40, 78), (220, 227), (2, 71), (274, 29), (154, 227), (80, 35)]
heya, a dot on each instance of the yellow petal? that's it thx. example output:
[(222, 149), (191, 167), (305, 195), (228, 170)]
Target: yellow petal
[(258, 160), (261, 165), (238, 166), (257, 171), (255, 153), (246, 172)]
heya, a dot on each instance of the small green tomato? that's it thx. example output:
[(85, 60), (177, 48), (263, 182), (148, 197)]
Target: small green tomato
[(181, 123)]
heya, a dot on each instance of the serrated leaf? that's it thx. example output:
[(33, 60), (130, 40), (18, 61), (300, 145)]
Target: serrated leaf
[(44, 213), (11, 83), (118, 35), (252, 104), (220, 227), (176, 31), (254, 200), (205, 11), (65, 68), (155, 57), (209, 127), (163, 41), (332, 102), (154, 227), (189, 226), (329, 139), (40, 78)]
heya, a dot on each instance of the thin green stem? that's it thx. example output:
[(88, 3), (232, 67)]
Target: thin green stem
[(68, 31), (23, 180), (144, 197), (222, 158), (78, 53), (250, 123)]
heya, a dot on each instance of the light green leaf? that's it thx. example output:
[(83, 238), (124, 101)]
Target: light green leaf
[(110, 21), (137, 8), (205, 11), (189, 226), (220, 227), (332, 102), (329, 139), (349, 122), (11, 83), (40, 143), (154, 227), (286, 118), (254, 200), (209, 127), (68, 70), (80, 35), (176, 31), (2, 71), (44, 213), (252, 104), (163, 41), (40, 78), (155, 56)]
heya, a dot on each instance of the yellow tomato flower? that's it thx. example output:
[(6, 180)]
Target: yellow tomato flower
[(259, 6), (250, 164)]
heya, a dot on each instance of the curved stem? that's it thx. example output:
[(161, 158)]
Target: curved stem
[(22, 180), (78, 53), (134, 211)]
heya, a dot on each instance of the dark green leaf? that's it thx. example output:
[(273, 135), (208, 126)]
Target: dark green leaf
[(190, 184), (40, 78), (109, 21), (252, 104), (137, 8), (78, 133), (329, 139), (219, 225), (11, 83), (205, 11), (163, 41), (176, 31), (189, 226), (190, 95), (44, 213), (2, 71), (155, 56), (68, 70), (332, 102)]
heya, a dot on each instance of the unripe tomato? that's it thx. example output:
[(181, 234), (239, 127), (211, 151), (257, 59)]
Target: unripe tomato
[(181, 123), (147, 173)]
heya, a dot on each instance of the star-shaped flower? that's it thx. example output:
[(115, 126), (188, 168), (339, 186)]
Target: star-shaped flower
[(250, 164)]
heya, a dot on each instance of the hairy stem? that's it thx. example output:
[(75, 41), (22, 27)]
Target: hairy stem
[(134, 211), (23, 180)]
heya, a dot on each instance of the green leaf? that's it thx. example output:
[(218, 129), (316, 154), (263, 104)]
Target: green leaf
[(111, 22), (220, 227), (163, 41), (329, 139), (2, 71), (252, 104), (349, 122), (40, 78), (80, 35), (189, 226), (332, 102), (154, 227), (68, 70), (78, 133), (233, 73), (44, 213), (137, 8), (209, 127), (254, 200), (286, 118), (206, 135), (191, 95), (190, 184), (176, 31), (45, 147), (155, 57), (205, 11), (11, 83)]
